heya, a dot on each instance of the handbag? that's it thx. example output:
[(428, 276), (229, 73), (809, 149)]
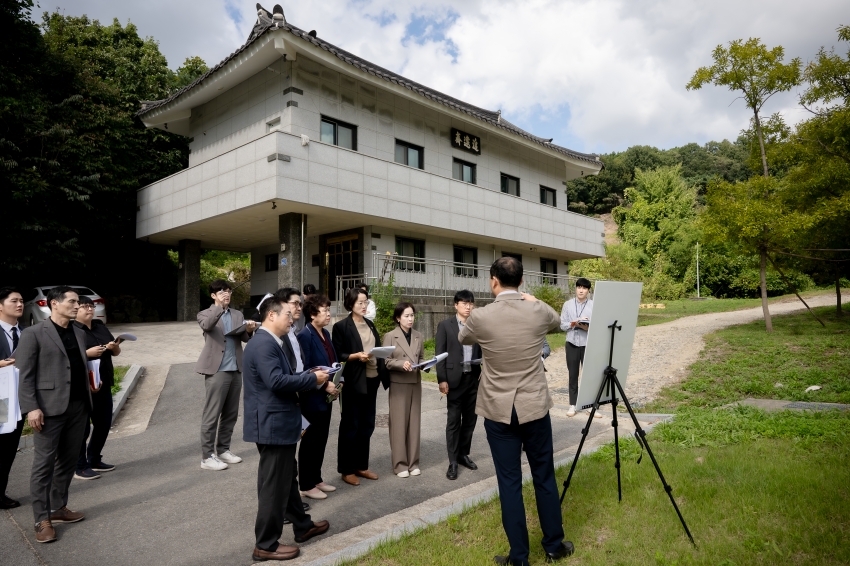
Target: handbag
[(93, 367)]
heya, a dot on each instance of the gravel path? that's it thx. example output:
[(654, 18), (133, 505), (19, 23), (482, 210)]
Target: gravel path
[(663, 352)]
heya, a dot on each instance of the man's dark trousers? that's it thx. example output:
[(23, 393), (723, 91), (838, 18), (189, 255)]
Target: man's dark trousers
[(461, 417), (57, 448), (277, 490), (575, 357), (506, 444), (101, 421), (8, 451)]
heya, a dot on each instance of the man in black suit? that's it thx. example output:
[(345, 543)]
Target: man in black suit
[(55, 394), (272, 420), (11, 309), (458, 379)]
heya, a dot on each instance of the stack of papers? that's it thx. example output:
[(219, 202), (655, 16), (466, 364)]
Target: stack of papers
[(331, 370), (426, 365), (382, 351), (10, 410), (93, 367)]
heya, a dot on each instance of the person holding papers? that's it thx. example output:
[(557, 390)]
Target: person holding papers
[(458, 378), (220, 363), (56, 398), (100, 345), (11, 309), (575, 321), (318, 351), (405, 391), (353, 338)]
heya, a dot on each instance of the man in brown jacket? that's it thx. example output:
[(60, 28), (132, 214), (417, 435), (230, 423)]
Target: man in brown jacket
[(513, 398)]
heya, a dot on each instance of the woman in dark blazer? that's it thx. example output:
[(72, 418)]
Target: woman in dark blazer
[(405, 391), (316, 350), (353, 338)]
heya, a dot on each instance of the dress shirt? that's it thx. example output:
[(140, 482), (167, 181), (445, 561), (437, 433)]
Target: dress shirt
[(296, 347), (228, 360), (573, 310), (7, 330), (467, 350), (276, 337)]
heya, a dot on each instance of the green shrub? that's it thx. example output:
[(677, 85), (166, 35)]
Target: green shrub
[(553, 296), (386, 296)]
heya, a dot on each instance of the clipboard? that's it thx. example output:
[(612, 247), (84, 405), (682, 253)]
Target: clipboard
[(238, 330)]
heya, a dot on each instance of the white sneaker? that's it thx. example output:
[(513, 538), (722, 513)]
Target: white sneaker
[(404, 474), (229, 457), (571, 412), (415, 472), (213, 463)]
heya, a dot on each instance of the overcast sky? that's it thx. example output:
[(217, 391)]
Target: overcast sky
[(597, 75)]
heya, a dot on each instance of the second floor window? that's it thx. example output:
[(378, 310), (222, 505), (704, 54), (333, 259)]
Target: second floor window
[(549, 266), (463, 171), (339, 133), (468, 256), (271, 262), (510, 185), (413, 251), (547, 196), (409, 154)]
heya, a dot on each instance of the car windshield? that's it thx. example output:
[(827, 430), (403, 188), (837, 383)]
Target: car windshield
[(83, 291)]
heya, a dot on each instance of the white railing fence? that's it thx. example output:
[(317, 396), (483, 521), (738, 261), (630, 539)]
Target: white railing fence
[(438, 279)]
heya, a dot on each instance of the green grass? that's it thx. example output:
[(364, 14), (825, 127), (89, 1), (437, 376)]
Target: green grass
[(754, 487), (745, 361), (118, 374)]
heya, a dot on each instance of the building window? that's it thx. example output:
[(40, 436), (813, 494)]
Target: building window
[(409, 248), (271, 262), (273, 126), (517, 257), (510, 185), (409, 154), (339, 133), (463, 171), (468, 256), (549, 266), (547, 196)]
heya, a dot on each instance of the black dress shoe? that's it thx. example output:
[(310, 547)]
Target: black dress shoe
[(506, 561), (467, 463), (7, 503), (566, 549), (452, 472)]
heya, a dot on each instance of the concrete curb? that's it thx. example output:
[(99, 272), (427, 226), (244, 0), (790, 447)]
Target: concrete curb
[(363, 547), (127, 384)]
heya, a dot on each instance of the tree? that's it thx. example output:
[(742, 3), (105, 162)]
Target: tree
[(192, 69), (757, 73)]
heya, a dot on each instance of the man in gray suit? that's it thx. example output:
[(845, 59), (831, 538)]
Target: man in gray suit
[(55, 395), (221, 365)]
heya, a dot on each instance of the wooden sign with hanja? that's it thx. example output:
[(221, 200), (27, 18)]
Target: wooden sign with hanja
[(466, 142)]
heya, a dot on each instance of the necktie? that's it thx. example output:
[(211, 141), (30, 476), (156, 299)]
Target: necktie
[(14, 338)]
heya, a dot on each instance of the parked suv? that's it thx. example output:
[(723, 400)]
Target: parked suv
[(36, 308)]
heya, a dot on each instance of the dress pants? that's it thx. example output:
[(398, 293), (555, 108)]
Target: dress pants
[(8, 451), (405, 417), (575, 357), (311, 451), (506, 444), (101, 421), (277, 494), (221, 409), (57, 447), (461, 417), (356, 425)]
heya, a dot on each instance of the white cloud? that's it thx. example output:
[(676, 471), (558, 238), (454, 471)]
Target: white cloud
[(619, 66)]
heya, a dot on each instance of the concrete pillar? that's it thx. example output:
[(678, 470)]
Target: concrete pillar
[(188, 279), (292, 232)]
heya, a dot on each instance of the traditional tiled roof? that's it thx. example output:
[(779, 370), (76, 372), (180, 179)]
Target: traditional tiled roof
[(267, 21)]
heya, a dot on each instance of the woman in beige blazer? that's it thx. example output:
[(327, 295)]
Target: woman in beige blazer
[(405, 391)]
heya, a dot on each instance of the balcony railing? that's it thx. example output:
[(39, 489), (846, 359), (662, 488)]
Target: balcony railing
[(437, 280)]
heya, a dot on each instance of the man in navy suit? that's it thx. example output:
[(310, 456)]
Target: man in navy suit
[(11, 309), (273, 422)]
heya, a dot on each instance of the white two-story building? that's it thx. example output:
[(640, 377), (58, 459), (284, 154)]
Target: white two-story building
[(321, 164)]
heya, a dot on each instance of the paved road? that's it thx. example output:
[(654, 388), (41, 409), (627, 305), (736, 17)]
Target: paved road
[(159, 507)]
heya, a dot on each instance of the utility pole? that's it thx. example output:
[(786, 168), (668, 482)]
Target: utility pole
[(698, 270)]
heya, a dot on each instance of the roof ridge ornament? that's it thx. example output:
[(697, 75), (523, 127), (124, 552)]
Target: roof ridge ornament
[(278, 17)]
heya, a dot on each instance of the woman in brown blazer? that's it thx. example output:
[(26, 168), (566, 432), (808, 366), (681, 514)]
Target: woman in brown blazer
[(405, 391)]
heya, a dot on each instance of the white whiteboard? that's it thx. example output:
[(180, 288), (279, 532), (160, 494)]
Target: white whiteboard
[(612, 301)]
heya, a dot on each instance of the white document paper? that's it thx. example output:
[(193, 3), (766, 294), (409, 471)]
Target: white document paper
[(126, 336), (304, 424), (93, 367), (10, 410), (428, 364), (330, 370), (476, 362), (382, 351)]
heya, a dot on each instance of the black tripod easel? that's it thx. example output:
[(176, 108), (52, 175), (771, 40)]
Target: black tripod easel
[(610, 385)]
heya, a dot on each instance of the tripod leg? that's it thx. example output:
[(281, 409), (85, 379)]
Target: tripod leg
[(616, 445), (642, 434), (584, 432)]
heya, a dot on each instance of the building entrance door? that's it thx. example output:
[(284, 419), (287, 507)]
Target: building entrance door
[(342, 257)]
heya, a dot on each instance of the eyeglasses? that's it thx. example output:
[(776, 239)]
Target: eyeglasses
[(87, 307), (226, 292), (295, 304), (464, 304)]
